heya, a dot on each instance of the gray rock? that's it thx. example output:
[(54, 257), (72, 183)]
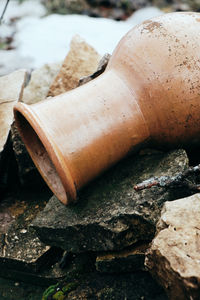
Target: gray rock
[(174, 256), (21, 251), (110, 214), (123, 261), (101, 68), (40, 82), (11, 89)]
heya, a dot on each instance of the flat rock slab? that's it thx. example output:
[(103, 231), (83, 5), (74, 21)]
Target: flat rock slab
[(20, 248), (174, 257), (123, 261), (40, 81), (110, 214), (11, 89)]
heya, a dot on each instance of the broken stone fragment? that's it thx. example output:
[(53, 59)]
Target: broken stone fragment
[(82, 60), (123, 261), (174, 256), (11, 89), (38, 86), (21, 252), (101, 68), (110, 214)]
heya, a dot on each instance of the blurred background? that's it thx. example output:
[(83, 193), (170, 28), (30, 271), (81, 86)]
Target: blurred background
[(38, 32)]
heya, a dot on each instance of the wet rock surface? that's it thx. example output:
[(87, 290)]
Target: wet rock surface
[(174, 256), (110, 214)]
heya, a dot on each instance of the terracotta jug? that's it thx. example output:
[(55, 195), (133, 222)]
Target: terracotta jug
[(150, 92)]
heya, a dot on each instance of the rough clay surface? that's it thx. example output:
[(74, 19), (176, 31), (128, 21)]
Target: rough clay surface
[(110, 214), (11, 88), (82, 60), (38, 86), (175, 252)]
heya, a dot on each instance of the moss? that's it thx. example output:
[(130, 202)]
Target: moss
[(49, 292), (58, 291), (58, 296)]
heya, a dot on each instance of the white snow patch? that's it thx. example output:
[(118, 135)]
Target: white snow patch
[(15, 9), (46, 40), (6, 31)]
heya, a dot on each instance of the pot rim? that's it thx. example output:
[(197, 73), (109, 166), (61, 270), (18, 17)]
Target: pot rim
[(54, 155)]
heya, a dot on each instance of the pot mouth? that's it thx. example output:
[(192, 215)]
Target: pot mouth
[(45, 154)]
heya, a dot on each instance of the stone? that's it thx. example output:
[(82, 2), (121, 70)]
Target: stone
[(123, 261), (40, 82), (110, 214), (11, 90), (82, 60), (174, 256), (22, 254), (101, 68), (82, 281)]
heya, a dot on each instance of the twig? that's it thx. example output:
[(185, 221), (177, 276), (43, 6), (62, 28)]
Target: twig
[(180, 180), (4, 10)]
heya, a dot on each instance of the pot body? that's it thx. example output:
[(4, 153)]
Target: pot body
[(150, 91)]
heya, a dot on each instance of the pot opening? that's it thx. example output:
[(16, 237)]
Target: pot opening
[(40, 156)]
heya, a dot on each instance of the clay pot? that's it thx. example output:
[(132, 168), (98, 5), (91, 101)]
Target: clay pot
[(150, 92)]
